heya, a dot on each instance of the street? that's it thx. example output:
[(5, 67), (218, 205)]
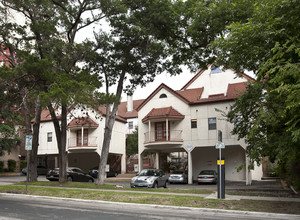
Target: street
[(18, 206), (30, 207)]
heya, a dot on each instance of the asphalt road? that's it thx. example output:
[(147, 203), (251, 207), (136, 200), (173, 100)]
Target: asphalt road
[(15, 207)]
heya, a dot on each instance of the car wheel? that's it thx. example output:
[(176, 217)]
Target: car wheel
[(155, 185), (165, 186), (116, 174), (69, 179), (91, 180)]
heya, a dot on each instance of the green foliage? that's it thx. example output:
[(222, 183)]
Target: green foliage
[(132, 143), (198, 23), (269, 45), (11, 164), (23, 164), (1, 166)]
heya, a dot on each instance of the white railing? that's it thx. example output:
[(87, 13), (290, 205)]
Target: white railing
[(92, 142), (174, 135)]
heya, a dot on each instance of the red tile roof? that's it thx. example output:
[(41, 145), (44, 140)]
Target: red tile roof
[(168, 112), (82, 122), (193, 96), (122, 109), (46, 116)]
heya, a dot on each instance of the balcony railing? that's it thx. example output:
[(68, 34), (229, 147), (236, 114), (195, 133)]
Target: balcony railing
[(91, 142), (174, 136)]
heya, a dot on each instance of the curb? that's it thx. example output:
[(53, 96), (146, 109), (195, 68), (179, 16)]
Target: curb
[(248, 213)]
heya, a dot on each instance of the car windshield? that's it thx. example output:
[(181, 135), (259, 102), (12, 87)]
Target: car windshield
[(207, 172), (146, 173)]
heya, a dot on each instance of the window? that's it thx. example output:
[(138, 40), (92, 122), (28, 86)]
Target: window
[(194, 123), (212, 123), (163, 96), (130, 125), (216, 70), (49, 137)]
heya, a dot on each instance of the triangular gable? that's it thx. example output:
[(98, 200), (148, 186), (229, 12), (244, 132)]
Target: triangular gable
[(249, 78), (157, 90)]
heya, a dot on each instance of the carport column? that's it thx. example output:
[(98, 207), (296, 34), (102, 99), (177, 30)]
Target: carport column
[(248, 172), (140, 162), (157, 160), (190, 167)]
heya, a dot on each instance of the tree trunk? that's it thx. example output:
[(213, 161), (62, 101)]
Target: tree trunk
[(109, 123), (35, 141), (61, 136)]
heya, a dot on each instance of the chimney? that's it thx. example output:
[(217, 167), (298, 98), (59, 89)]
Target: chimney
[(129, 103)]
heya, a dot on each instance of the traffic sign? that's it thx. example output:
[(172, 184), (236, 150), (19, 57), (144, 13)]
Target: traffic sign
[(220, 145), (28, 142)]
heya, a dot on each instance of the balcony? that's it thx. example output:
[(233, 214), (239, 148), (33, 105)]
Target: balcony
[(89, 144), (152, 138)]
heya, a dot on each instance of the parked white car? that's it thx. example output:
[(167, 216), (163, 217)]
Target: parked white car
[(178, 176), (151, 178)]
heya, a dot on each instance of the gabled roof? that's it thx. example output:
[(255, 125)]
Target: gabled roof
[(122, 109), (83, 122), (46, 116), (193, 96), (157, 90), (157, 113), (249, 78)]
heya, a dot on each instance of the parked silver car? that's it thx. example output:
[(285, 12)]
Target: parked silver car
[(178, 176), (207, 176), (151, 178)]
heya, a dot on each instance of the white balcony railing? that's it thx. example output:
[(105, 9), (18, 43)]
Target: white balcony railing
[(174, 136), (90, 142)]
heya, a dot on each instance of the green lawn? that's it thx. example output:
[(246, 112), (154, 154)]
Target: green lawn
[(94, 192)]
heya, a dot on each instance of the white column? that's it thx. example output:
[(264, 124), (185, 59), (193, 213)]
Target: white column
[(248, 172), (140, 162), (81, 136), (123, 164), (157, 160), (149, 128), (190, 167), (167, 129)]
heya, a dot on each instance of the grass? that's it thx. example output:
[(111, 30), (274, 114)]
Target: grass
[(90, 192)]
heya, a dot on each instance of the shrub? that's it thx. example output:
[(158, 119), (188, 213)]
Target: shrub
[(12, 164), (23, 164), (1, 166)]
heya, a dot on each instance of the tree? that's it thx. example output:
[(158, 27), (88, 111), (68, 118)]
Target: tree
[(269, 45), (197, 24), (132, 143), (51, 57), (134, 50)]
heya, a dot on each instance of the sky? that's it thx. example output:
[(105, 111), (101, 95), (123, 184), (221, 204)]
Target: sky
[(174, 82)]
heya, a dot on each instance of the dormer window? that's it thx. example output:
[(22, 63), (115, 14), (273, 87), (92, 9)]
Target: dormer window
[(163, 96)]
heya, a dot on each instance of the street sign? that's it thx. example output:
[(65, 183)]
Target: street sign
[(28, 142), (189, 147), (220, 145), (222, 162)]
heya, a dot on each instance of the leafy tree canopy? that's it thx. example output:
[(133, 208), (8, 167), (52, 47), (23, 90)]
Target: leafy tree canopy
[(269, 118)]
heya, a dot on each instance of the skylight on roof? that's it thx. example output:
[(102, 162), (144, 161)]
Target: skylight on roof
[(216, 70)]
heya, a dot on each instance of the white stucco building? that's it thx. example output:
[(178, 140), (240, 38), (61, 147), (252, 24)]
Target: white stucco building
[(187, 121), (84, 140)]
